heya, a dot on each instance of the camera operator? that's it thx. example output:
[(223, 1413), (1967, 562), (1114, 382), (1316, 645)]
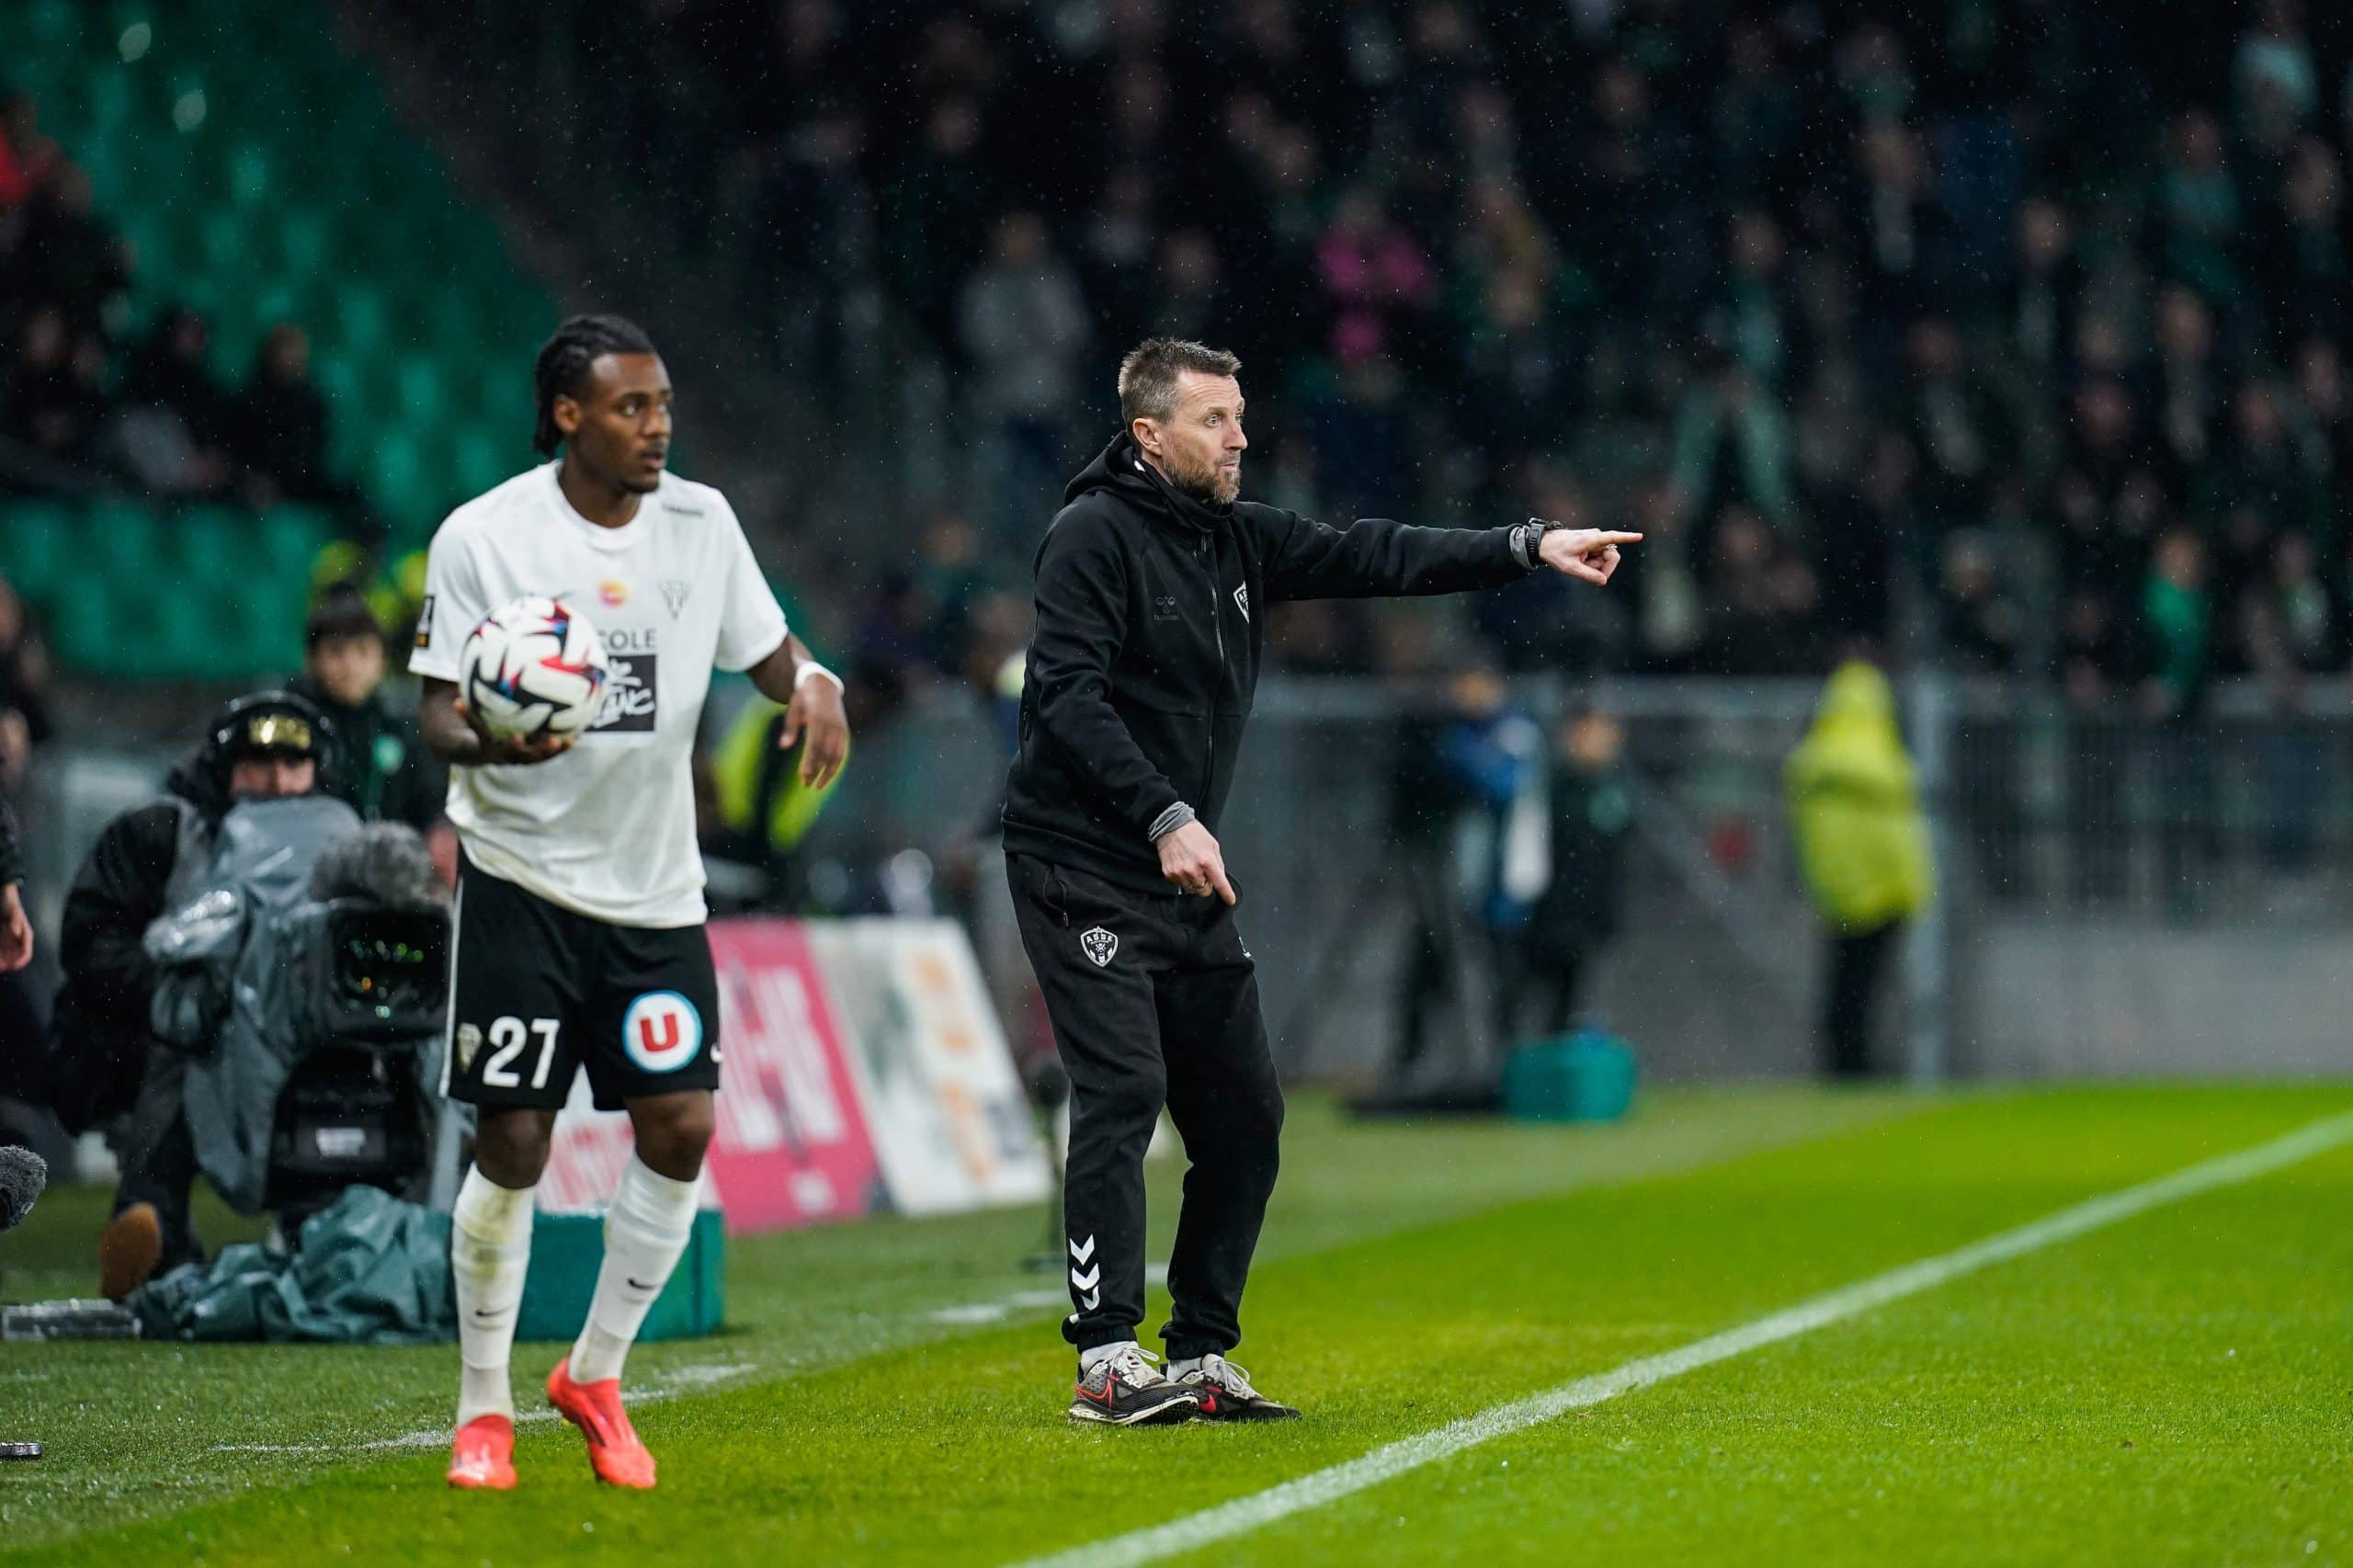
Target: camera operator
[(105, 1059)]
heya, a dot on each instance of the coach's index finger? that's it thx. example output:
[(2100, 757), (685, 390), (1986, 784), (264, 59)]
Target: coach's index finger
[(1217, 880)]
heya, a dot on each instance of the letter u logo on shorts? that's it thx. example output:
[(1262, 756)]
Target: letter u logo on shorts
[(662, 1031)]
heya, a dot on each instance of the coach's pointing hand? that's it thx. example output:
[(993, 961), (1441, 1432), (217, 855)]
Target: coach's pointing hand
[(1589, 554), (1191, 858)]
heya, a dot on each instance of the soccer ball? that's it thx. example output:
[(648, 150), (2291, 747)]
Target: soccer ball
[(533, 667)]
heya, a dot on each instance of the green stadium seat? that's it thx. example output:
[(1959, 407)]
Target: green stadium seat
[(186, 630), (422, 393), (362, 325), (126, 539), (273, 206), (484, 456), (53, 27), (407, 489), (82, 618), (252, 179), (36, 538), (109, 102), (306, 241), (287, 539)]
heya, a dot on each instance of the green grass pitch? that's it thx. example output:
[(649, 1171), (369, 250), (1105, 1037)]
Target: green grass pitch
[(2176, 1386)]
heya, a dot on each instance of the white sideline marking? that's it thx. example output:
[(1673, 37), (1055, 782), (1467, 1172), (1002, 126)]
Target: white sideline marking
[(669, 1385), (1392, 1459)]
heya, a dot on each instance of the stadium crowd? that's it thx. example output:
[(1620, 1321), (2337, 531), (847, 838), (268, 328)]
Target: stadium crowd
[(1996, 329), (88, 403)]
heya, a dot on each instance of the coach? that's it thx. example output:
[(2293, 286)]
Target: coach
[(1152, 590)]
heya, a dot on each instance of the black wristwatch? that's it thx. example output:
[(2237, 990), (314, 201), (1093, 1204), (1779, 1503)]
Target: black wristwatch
[(1528, 540)]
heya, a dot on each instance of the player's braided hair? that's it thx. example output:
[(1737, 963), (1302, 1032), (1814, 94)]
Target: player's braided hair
[(562, 369)]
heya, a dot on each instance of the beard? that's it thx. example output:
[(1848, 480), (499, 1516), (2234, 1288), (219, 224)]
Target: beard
[(1205, 482)]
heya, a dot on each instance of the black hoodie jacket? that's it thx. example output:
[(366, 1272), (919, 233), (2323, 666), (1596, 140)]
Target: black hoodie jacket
[(1150, 616)]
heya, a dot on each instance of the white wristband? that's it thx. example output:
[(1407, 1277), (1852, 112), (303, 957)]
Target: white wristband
[(811, 667)]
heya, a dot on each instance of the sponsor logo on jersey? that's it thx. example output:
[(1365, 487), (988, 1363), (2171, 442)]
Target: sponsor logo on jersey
[(630, 689), (1098, 945), (674, 594), (425, 623), (662, 1031), (614, 591)]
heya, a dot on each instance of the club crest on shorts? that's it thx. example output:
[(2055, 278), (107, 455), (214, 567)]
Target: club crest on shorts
[(469, 1046), (662, 1031), (1098, 945)]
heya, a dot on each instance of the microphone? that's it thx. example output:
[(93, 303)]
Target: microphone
[(22, 1175)]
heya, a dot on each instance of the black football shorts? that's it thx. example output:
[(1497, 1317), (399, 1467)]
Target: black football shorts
[(539, 992)]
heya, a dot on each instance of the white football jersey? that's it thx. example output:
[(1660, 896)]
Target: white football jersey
[(608, 829)]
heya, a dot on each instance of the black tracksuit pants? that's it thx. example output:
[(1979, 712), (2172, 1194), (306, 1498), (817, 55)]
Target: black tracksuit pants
[(1154, 1002)]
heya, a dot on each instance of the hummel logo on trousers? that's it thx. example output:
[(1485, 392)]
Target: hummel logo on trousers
[(1173, 1022)]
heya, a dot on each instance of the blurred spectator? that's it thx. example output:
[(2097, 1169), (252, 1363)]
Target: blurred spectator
[(1863, 844), (2177, 606), (1187, 296), (1464, 824), (1376, 284), (2185, 391), (1960, 432), (2046, 290), (1024, 327), (27, 159), (1731, 442), (24, 691), (373, 759), (55, 399), (2198, 212), (2049, 249), (1592, 811), (278, 427), (175, 426), (1899, 240), (2098, 663)]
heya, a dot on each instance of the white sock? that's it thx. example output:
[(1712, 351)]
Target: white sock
[(1179, 1371), (644, 1233), (1091, 1359), (490, 1250)]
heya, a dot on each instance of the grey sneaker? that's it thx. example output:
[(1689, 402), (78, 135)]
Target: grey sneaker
[(1128, 1390), (1226, 1393)]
